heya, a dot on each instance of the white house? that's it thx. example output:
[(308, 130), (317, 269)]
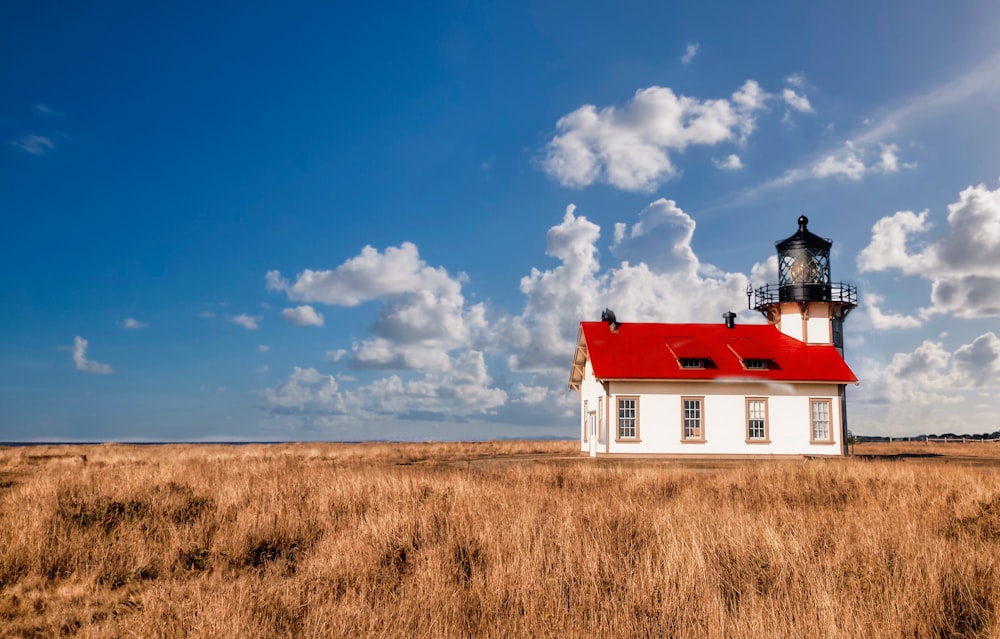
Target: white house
[(725, 389)]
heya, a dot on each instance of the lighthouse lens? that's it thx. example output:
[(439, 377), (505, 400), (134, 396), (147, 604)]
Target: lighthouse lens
[(804, 269)]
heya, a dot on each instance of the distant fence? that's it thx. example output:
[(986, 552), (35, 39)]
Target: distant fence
[(961, 440), (936, 440)]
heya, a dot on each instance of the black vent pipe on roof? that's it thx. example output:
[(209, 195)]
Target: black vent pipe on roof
[(730, 318), (609, 316)]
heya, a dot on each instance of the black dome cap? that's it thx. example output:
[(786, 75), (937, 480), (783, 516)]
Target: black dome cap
[(804, 238)]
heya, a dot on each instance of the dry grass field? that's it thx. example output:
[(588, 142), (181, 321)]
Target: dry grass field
[(510, 539)]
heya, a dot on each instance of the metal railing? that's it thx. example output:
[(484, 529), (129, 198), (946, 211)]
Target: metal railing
[(834, 292)]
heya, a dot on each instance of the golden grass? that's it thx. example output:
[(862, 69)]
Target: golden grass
[(508, 539)]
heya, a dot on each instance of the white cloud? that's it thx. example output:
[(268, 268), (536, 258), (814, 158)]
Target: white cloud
[(263, 348), (963, 265), (371, 275), (423, 325), (847, 163), (931, 375), (881, 320), (888, 247), (304, 315), (459, 391), (796, 80), (630, 147), (657, 268), (306, 391), (888, 161), (33, 144), (765, 272), (132, 323), (980, 80), (84, 364), (423, 316), (462, 389), (249, 322), (690, 52), (796, 101), (731, 162)]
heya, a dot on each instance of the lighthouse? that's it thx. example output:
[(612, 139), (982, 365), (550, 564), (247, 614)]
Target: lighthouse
[(725, 388), (806, 304)]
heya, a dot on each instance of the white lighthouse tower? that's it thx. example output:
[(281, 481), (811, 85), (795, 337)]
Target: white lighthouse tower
[(805, 304)]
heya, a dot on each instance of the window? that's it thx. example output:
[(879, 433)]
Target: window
[(820, 410), (628, 418), (693, 419), (693, 362), (586, 416), (757, 420), (755, 364), (602, 433)]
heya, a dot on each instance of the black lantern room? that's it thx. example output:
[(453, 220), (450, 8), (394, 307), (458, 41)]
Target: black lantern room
[(803, 275), (804, 266)]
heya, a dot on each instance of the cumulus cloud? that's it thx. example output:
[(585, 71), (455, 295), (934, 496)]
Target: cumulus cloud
[(630, 147), (931, 374), (368, 276), (424, 328), (462, 389), (33, 144), (84, 364), (796, 101), (657, 266), (888, 160), (889, 248), (306, 391), (304, 315), (962, 266), (847, 163), (132, 323), (796, 80), (249, 322), (423, 314), (731, 162), (882, 320), (690, 52)]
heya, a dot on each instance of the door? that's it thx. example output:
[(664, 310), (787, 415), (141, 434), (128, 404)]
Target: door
[(593, 434)]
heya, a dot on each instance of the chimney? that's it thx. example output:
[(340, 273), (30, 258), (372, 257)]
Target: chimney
[(609, 316), (730, 318)]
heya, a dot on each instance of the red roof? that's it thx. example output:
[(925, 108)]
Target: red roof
[(652, 351)]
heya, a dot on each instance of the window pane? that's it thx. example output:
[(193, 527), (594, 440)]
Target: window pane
[(692, 419), (756, 412), (626, 418), (821, 420)]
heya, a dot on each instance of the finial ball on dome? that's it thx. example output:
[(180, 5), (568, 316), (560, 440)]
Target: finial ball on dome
[(803, 221)]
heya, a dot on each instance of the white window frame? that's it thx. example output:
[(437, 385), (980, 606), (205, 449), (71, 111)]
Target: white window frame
[(756, 411), (693, 414), (816, 420), (626, 420)]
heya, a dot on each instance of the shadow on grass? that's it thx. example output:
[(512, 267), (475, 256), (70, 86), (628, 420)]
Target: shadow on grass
[(896, 456)]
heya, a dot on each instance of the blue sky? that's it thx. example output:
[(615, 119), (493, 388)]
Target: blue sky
[(325, 221)]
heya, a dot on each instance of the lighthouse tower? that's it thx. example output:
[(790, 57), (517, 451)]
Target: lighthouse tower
[(805, 304)]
